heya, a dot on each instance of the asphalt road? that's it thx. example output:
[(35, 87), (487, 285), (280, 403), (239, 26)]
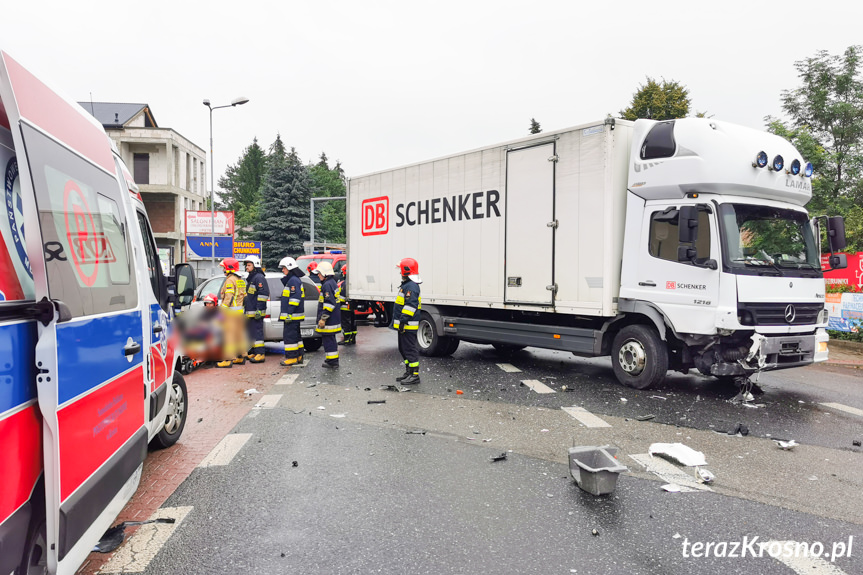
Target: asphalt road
[(326, 482)]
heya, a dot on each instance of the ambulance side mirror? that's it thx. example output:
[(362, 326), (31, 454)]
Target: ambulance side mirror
[(184, 282)]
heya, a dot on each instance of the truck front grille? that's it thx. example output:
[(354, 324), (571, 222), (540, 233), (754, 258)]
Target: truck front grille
[(779, 313)]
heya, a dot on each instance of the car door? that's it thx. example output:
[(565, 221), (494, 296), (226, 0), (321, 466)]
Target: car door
[(89, 379)]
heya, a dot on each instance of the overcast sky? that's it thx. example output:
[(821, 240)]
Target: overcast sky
[(377, 85)]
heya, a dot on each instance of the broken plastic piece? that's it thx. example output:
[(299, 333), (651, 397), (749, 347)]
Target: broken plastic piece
[(786, 445), (251, 391), (671, 488), (372, 401), (645, 417), (595, 469), (459, 392), (501, 457), (678, 452), (704, 475), (114, 536)]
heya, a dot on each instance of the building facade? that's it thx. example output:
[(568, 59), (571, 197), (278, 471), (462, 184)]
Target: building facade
[(170, 170)]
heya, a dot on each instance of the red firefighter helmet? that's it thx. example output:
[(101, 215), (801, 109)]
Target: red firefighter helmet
[(210, 299), (311, 267), (230, 265), (345, 270), (409, 267)]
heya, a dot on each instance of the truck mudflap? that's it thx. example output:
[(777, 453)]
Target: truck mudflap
[(769, 352)]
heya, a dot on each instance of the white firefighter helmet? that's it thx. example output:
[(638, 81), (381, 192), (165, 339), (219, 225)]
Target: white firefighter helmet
[(253, 259), (289, 263), (325, 269)]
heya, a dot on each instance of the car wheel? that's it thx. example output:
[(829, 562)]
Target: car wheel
[(175, 420), (313, 343), (639, 357)]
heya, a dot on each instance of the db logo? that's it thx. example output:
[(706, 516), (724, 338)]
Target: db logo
[(375, 213), (670, 285)]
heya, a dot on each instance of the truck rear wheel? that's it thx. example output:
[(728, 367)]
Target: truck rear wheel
[(639, 357), (428, 341), (175, 420)]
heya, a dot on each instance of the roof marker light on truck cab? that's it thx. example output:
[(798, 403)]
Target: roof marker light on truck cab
[(778, 163), (808, 170), (795, 167), (760, 160)]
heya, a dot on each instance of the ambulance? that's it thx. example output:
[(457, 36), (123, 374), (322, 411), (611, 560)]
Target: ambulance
[(87, 347)]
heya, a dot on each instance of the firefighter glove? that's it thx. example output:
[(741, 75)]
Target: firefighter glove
[(401, 327)]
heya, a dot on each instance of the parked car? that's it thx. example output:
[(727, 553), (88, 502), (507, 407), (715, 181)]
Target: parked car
[(273, 328)]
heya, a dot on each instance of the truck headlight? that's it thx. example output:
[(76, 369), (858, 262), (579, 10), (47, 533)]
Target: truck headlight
[(823, 315)]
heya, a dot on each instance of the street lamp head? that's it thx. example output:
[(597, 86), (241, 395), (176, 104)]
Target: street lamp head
[(239, 101), (207, 103)]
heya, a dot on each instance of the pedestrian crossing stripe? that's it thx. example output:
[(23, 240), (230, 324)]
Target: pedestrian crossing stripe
[(537, 386)]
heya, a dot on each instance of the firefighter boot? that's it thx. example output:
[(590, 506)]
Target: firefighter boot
[(299, 359), (330, 364), (257, 358), (289, 361), (405, 375), (226, 363), (412, 379), (240, 360)]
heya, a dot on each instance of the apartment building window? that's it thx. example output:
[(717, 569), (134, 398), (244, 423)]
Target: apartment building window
[(141, 166)]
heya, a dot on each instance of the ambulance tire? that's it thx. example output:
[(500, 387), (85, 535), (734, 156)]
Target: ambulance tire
[(639, 357), (429, 343), (35, 558), (175, 420), (313, 343)]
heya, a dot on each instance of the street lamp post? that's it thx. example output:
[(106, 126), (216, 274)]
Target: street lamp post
[(236, 102)]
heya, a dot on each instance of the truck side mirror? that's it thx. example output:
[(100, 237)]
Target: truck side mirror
[(688, 225), (836, 234), (838, 261)]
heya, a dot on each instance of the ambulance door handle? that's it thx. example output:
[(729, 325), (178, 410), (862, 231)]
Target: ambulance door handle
[(647, 284), (157, 328), (131, 348)]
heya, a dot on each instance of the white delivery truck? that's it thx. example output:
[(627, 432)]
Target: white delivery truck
[(666, 245), (88, 349)]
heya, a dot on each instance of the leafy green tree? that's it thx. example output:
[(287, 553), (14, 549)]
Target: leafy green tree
[(330, 216), (241, 187), (658, 101), (283, 222), (534, 126), (826, 126)]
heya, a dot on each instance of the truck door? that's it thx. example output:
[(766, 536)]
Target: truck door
[(685, 293), (530, 225), (89, 380)]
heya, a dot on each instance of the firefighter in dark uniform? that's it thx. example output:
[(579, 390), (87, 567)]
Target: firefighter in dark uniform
[(349, 320), (329, 318), (255, 307), (406, 315), (293, 310)]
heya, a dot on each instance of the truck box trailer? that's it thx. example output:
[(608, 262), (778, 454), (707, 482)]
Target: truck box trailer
[(573, 240)]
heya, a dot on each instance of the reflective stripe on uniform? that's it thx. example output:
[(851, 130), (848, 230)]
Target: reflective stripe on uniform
[(298, 317), (332, 355)]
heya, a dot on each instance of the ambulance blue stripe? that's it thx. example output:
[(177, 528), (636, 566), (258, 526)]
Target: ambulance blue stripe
[(17, 364), (88, 353)]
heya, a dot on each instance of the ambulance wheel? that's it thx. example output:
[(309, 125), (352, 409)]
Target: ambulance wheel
[(639, 357), (313, 343), (175, 420), (35, 558), (429, 342)]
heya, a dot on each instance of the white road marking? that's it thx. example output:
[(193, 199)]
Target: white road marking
[(669, 472), (845, 408), (537, 386), (585, 417), (268, 402), (804, 565), (134, 555), (287, 379), (225, 450), (509, 368)]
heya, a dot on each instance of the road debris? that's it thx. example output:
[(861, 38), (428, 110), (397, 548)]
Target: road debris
[(678, 452), (740, 429), (704, 475), (594, 532), (786, 445), (623, 400), (338, 415), (251, 391), (671, 488), (295, 463), (501, 457), (645, 417), (114, 536), (856, 443), (595, 469), (374, 401), (658, 397)]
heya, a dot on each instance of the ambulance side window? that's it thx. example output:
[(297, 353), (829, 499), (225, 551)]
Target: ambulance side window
[(84, 232), (154, 268), (16, 276)]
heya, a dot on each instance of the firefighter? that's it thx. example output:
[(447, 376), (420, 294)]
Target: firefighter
[(231, 296), (310, 269), (406, 319), (329, 320), (255, 305), (292, 311), (349, 320)]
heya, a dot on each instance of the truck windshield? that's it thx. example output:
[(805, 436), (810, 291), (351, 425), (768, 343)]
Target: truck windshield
[(763, 240)]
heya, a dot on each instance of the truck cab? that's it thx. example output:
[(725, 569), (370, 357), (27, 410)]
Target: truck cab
[(720, 251), (86, 330)]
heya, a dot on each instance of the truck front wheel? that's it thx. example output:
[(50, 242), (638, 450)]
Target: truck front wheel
[(639, 357), (428, 341)]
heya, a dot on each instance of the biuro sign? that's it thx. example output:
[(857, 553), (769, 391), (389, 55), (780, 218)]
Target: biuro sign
[(375, 214), (88, 247)]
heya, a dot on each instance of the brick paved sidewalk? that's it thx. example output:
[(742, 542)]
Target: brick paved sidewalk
[(217, 403), (845, 353)]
